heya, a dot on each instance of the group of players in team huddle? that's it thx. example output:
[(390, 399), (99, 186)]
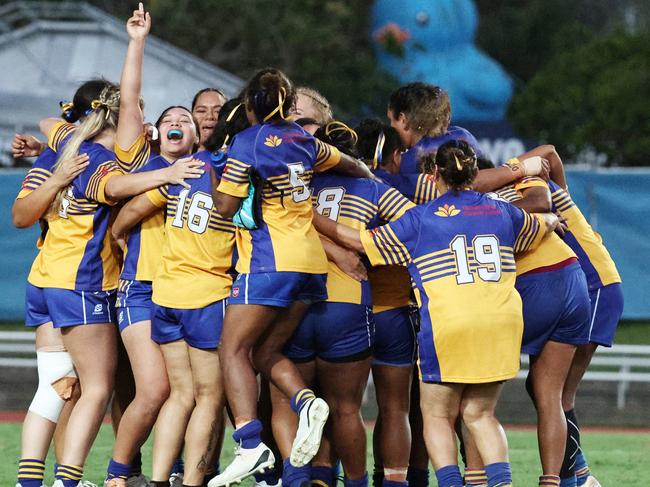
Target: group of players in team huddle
[(259, 237)]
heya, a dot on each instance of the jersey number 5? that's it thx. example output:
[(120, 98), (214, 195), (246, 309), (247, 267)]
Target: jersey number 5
[(484, 256), (299, 189), (198, 213)]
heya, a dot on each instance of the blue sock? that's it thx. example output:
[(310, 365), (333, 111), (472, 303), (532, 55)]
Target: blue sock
[(31, 472), (179, 466), (270, 476), (362, 482), (498, 474), (449, 476), (568, 482), (323, 476), (249, 434), (295, 476), (418, 477), (336, 473), (119, 470), (69, 475), (136, 465), (217, 467), (394, 483), (582, 468), (300, 398)]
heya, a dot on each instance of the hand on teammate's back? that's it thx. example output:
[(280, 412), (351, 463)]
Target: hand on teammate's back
[(24, 145), (182, 169), (562, 226), (350, 263), (69, 169)]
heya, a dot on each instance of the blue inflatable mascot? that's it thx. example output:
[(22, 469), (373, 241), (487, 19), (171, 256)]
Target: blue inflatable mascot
[(433, 41)]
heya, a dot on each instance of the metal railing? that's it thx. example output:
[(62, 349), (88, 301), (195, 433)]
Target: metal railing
[(623, 364)]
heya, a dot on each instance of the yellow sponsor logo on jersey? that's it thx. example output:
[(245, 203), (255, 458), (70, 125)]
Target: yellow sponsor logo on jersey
[(272, 141), (446, 211)]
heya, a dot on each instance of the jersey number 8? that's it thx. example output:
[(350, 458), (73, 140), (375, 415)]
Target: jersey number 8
[(328, 202), (485, 258), (198, 213)]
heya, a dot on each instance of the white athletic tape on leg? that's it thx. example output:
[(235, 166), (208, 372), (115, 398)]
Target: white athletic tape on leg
[(56, 381)]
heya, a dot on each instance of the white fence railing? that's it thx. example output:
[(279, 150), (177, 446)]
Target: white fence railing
[(623, 364)]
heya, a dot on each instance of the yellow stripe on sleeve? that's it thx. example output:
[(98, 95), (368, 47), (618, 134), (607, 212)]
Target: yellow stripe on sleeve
[(134, 157), (157, 197), (327, 156), (59, 132)]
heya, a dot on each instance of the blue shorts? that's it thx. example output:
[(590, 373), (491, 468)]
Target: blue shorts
[(280, 289), (200, 328), (36, 312), (395, 337), (335, 332), (606, 311), (65, 307), (556, 308), (133, 302)]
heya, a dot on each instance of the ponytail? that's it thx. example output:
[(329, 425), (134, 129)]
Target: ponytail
[(340, 136), (456, 162), (104, 111), (270, 95)]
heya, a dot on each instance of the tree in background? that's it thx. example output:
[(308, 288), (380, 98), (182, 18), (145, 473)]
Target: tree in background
[(582, 69), (594, 93), (324, 44), (581, 66)]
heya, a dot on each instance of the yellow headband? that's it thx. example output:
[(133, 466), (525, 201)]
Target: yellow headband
[(459, 166), (337, 126), (95, 104), (66, 107), (232, 112), (379, 148), (280, 108)]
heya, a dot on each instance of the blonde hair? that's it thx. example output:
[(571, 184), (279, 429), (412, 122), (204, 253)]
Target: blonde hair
[(104, 115), (321, 105)]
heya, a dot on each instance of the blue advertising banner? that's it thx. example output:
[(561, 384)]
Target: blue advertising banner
[(616, 202)]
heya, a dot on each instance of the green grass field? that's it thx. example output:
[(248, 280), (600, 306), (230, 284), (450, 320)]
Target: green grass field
[(618, 459)]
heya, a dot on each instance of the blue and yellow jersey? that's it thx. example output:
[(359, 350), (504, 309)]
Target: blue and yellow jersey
[(594, 258), (357, 203), (78, 252), (41, 170), (60, 134), (430, 144), (419, 188), (286, 157), (198, 249), (145, 240), (459, 250), (391, 285), (135, 157), (552, 250)]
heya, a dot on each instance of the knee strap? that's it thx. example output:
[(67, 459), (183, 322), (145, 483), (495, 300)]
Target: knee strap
[(56, 382)]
